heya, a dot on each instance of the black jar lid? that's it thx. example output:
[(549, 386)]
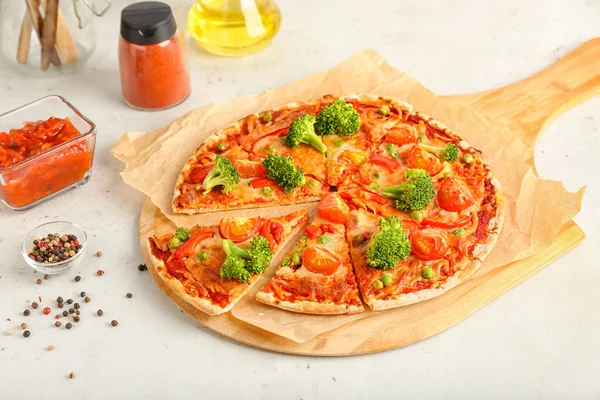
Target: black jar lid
[(147, 22)]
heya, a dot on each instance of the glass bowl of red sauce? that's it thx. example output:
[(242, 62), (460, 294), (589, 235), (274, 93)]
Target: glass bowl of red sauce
[(46, 149), (62, 228)]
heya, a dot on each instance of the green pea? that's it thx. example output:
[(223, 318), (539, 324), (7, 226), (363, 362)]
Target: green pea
[(468, 158), (394, 154), (313, 184), (383, 110), (422, 139), (202, 255), (286, 262), (386, 279), (377, 284), (427, 273), (358, 240), (221, 147), (416, 215), (324, 239), (266, 117), (374, 186), (271, 149), (459, 232), (267, 191), (174, 243), (377, 175), (296, 259), (389, 147), (339, 143)]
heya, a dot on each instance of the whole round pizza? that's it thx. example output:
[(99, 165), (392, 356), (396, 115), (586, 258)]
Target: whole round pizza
[(406, 209)]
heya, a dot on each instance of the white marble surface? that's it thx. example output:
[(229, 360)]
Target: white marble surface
[(540, 340)]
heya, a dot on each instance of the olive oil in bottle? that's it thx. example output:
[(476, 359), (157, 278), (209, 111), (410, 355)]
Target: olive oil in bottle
[(234, 27)]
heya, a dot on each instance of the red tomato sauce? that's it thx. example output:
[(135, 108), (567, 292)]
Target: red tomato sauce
[(22, 186)]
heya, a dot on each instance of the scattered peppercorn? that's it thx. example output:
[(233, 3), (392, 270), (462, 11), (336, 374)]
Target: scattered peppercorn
[(60, 305), (59, 299), (87, 299), (70, 301), (47, 310), (46, 276), (82, 294), (71, 310), (76, 306), (34, 305), (77, 278), (50, 348), (65, 313), (26, 333), (69, 325), (129, 295), (100, 272), (71, 376), (57, 324), (142, 267), (114, 322), (9, 332), (26, 313), (100, 313), (77, 312), (23, 325), (39, 281), (57, 316), (76, 318), (99, 254)]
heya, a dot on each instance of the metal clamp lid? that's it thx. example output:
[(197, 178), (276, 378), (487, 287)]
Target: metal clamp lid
[(98, 12)]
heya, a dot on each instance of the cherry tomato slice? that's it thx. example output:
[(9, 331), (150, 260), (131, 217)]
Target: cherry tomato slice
[(427, 245), (462, 222), (418, 158), (250, 169), (334, 209), (199, 175), (313, 231), (239, 229), (401, 135), (273, 232), (263, 182), (452, 196), (386, 162), (320, 261), (188, 248)]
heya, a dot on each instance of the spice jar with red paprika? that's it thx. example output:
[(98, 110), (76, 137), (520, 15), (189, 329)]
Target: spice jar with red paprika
[(154, 71)]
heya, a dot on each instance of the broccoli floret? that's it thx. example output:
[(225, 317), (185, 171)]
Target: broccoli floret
[(223, 174), (233, 268), (415, 193), (256, 258), (182, 234), (388, 245), (301, 131), (282, 170), (338, 117), (448, 153)]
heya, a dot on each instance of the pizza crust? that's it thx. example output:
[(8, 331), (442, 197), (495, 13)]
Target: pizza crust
[(309, 307)]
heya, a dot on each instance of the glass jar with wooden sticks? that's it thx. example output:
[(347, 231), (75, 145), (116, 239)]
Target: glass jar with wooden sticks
[(49, 37)]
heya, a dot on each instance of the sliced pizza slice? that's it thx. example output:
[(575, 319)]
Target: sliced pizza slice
[(213, 267), (317, 276)]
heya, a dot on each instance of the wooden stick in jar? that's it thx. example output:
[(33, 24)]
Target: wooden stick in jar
[(49, 32), (36, 18), (65, 45), (24, 38)]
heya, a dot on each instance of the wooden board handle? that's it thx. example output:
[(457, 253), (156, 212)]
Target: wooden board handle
[(538, 100)]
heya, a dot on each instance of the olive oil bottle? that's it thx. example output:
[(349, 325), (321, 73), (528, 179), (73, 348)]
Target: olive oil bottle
[(234, 27)]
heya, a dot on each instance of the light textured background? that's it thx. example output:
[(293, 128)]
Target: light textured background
[(540, 340)]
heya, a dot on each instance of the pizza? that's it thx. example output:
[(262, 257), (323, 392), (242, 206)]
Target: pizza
[(317, 275), (213, 267), (418, 206)]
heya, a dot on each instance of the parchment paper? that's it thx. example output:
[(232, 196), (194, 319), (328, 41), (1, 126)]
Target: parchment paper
[(535, 208)]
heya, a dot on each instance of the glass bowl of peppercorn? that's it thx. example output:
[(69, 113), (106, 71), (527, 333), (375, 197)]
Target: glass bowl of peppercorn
[(54, 247)]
